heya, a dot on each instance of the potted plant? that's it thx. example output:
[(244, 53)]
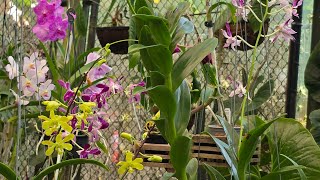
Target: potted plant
[(115, 31)]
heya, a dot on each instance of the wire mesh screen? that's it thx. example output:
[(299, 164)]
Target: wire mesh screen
[(121, 113)]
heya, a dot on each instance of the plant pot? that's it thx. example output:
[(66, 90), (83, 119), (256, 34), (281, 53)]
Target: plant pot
[(113, 34), (246, 32), (64, 3)]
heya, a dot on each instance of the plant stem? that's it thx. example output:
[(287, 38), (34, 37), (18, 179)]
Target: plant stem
[(243, 105)]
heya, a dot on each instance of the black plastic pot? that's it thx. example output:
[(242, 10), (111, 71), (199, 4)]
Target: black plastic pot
[(113, 34)]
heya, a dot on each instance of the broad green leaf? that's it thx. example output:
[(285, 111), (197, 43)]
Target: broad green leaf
[(65, 163), (301, 173), (180, 153), (150, 18), (146, 39), (167, 107), (167, 176), (160, 32), (248, 146), (188, 61), (284, 170), (7, 172), (134, 59), (80, 73), (162, 59), (156, 78), (213, 173), (139, 23), (312, 74), (173, 15), (142, 3), (261, 96), (210, 72), (227, 153), (256, 83), (290, 138), (315, 125), (192, 169), (161, 125), (183, 100)]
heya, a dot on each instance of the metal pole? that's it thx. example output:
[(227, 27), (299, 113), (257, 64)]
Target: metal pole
[(312, 104), (293, 66)]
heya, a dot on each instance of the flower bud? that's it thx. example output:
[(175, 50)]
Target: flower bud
[(144, 135), (106, 47), (108, 52), (155, 158), (126, 136), (101, 62)]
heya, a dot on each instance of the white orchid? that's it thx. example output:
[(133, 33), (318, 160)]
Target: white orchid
[(19, 100), (45, 90), (12, 68)]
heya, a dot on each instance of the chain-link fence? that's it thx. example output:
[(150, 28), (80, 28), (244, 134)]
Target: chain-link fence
[(128, 117)]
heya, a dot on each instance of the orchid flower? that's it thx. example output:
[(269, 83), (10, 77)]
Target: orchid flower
[(27, 85), (19, 100), (59, 145), (95, 126), (87, 150), (38, 74), (239, 90), (135, 98), (45, 90), (290, 9), (69, 94), (231, 41), (242, 11), (130, 164), (284, 31), (12, 68)]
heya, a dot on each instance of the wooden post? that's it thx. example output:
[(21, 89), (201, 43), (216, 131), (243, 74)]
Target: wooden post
[(93, 23)]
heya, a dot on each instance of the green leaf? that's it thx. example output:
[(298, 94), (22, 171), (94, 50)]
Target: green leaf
[(167, 107), (210, 72), (232, 135), (51, 65), (156, 78), (137, 47), (312, 74), (173, 15), (262, 96), (183, 100), (162, 59), (167, 176), (102, 147), (65, 163), (179, 153), (301, 173), (290, 138), (134, 59), (284, 170), (213, 173), (7, 172), (227, 153), (146, 40), (160, 32), (80, 21), (138, 4), (139, 23), (188, 61), (248, 147), (315, 125), (192, 169)]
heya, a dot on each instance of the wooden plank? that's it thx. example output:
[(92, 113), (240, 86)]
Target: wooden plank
[(161, 165), (156, 147), (161, 155)]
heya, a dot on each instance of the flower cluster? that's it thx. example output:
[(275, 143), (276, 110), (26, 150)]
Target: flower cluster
[(282, 31), (32, 81), (83, 111), (135, 97), (50, 22)]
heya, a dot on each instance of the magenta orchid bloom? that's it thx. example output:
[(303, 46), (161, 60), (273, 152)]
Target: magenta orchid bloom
[(136, 97), (95, 126), (231, 41), (50, 23), (69, 94), (284, 31), (86, 151), (242, 11)]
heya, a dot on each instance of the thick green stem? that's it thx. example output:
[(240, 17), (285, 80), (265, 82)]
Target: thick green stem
[(181, 175)]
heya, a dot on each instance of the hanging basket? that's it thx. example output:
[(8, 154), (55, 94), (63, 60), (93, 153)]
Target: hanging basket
[(113, 34), (203, 148), (244, 30)]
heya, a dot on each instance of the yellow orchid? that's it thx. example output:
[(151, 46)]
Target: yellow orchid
[(156, 1), (129, 165), (51, 105), (53, 123), (60, 145), (86, 107)]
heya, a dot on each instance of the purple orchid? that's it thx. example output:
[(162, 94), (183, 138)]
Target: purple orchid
[(290, 9), (95, 126), (284, 31), (176, 50), (242, 11), (69, 94), (98, 94), (135, 98), (231, 41), (50, 24), (87, 150)]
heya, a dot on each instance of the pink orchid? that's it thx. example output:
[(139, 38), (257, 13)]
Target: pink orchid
[(45, 90), (28, 86), (284, 31), (19, 100), (135, 98), (69, 94), (12, 68), (231, 41), (39, 73), (98, 72), (290, 9), (92, 57), (242, 11), (239, 90)]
